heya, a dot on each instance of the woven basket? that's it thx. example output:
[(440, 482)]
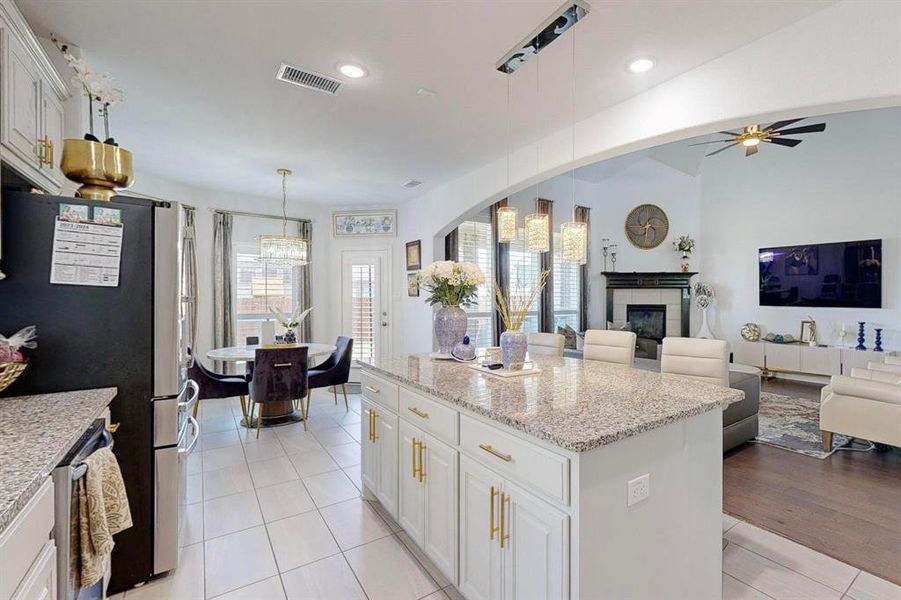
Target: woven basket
[(9, 372)]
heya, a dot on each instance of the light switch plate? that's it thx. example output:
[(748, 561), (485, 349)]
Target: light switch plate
[(639, 489)]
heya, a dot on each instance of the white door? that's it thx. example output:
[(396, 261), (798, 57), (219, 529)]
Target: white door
[(386, 444), (411, 496), (20, 102), (536, 554), (53, 120), (480, 555), (365, 300), (440, 475), (368, 449)]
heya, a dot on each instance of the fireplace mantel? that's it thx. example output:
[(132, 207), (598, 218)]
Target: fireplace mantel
[(648, 279), (661, 280)]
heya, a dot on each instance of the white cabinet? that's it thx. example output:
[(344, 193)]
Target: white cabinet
[(512, 544), (40, 583), (32, 118), (427, 505), (379, 454), (820, 360), (27, 551)]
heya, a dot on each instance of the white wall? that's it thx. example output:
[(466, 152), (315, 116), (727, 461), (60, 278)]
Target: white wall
[(840, 185), (774, 77)]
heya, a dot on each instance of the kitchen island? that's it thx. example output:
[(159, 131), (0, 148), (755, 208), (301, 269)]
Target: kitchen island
[(586, 480)]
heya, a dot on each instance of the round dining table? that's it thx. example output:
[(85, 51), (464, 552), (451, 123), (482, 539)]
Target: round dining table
[(274, 413)]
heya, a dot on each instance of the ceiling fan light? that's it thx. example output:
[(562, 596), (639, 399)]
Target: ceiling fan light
[(752, 141), (538, 232), (506, 224)]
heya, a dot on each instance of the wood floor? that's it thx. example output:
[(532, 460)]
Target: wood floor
[(847, 506)]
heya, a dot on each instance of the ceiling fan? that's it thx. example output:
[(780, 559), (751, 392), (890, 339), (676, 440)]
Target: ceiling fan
[(752, 135)]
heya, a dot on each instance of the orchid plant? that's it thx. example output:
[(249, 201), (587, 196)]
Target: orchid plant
[(292, 321), (98, 87)]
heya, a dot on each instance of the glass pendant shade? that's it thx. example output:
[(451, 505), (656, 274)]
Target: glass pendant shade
[(506, 224), (538, 232), (284, 249), (574, 241)]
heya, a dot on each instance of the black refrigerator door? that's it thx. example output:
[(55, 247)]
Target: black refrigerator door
[(90, 337)]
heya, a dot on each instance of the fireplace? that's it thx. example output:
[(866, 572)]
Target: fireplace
[(647, 320)]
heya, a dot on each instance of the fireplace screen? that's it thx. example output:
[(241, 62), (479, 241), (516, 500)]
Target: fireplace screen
[(647, 320)]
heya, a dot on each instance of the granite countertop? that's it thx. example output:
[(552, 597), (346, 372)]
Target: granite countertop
[(37, 433), (575, 404)]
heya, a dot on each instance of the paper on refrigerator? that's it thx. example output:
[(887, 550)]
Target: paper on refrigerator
[(86, 253)]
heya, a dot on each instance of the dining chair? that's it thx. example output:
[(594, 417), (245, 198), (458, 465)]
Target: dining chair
[(279, 375), (610, 346), (216, 385), (546, 344), (334, 371), (701, 359)]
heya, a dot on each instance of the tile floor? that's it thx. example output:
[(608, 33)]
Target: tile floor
[(281, 518)]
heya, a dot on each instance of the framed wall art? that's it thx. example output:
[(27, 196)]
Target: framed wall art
[(414, 255), (364, 223), (413, 284)]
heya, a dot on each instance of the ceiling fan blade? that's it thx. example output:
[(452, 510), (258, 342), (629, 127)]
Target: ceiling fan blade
[(712, 142), (781, 124), (750, 150), (803, 129), (723, 148), (783, 142), (730, 133)]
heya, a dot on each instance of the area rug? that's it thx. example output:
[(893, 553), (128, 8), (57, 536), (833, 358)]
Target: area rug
[(793, 423)]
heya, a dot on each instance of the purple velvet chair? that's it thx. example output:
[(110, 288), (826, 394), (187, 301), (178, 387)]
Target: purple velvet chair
[(279, 375), (335, 371), (216, 385)]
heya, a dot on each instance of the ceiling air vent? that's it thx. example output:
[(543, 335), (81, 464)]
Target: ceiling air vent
[(412, 183), (309, 79)]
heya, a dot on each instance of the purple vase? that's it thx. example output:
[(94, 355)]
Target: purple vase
[(514, 345), (450, 327)]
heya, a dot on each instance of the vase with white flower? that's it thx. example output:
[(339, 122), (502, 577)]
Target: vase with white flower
[(703, 300), (451, 285), (513, 307), (686, 246), (100, 166), (290, 322)]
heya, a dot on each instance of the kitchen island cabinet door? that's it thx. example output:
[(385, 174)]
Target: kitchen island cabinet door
[(386, 451), (439, 465), (480, 555), (368, 449), (411, 498), (536, 547)]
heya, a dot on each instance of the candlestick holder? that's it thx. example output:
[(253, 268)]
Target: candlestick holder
[(605, 246), (860, 336), (878, 343), (613, 257)]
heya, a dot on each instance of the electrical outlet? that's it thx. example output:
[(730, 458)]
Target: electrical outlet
[(639, 489)]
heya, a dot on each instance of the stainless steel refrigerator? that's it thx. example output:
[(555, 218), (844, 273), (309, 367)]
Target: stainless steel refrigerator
[(131, 336)]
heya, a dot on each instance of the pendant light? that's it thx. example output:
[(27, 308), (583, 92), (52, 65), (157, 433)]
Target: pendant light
[(506, 215), (574, 234), (284, 249)]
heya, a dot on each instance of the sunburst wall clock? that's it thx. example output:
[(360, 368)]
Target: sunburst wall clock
[(647, 226)]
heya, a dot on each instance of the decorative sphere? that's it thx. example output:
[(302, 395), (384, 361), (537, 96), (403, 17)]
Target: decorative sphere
[(750, 332)]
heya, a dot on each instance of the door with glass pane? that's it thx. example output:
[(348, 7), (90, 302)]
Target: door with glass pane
[(364, 303)]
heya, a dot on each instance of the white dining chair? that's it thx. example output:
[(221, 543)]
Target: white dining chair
[(546, 344), (609, 346), (701, 359)]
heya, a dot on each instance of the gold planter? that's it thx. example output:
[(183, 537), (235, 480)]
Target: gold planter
[(100, 168)]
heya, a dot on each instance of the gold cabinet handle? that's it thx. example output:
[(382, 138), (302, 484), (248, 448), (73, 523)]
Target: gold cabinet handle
[(504, 457), (113, 427), (371, 424), (369, 388), (413, 458), (375, 435), (418, 412), (279, 365), (505, 501), (421, 463), (491, 528), (49, 152)]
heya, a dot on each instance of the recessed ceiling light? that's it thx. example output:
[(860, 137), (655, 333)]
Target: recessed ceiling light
[(426, 92), (351, 70), (641, 65)]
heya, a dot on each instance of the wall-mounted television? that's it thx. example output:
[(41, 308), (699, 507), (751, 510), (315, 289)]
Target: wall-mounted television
[(839, 274)]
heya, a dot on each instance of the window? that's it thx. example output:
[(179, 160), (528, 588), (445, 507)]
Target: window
[(260, 287), (362, 307), (474, 245), (525, 266), (567, 290)]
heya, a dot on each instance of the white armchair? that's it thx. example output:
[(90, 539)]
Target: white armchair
[(546, 344), (874, 375), (884, 366), (891, 359), (864, 408), (702, 359), (609, 346)]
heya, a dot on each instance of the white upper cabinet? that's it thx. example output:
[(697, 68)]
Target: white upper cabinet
[(32, 93)]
